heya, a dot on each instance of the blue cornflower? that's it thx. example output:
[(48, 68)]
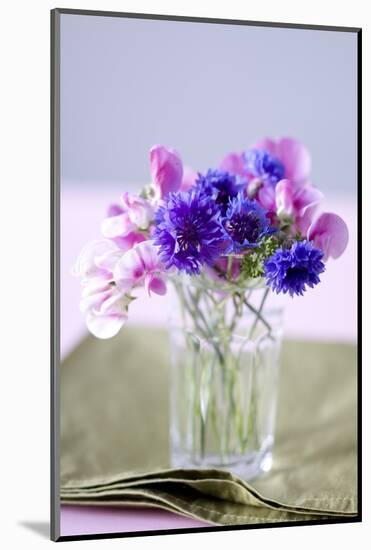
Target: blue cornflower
[(188, 231), (245, 224), (264, 166), (291, 270), (221, 186)]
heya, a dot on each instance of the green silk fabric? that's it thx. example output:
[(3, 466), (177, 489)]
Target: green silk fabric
[(114, 447)]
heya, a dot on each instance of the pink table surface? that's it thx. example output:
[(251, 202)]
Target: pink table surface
[(329, 313), (90, 520)]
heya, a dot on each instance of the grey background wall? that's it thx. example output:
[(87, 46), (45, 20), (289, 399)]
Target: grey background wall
[(204, 89)]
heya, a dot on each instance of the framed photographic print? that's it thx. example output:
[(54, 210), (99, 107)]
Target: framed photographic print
[(206, 260)]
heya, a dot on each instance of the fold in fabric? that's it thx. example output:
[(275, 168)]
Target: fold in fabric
[(114, 448)]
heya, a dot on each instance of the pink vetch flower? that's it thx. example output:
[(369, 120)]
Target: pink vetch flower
[(166, 171), (141, 266), (329, 233), (297, 202), (293, 155), (125, 222), (104, 305)]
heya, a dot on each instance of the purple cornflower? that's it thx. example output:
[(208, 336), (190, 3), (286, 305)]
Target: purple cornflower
[(264, 166), (221, 186), (245, 224), (188, 231), (292, 270)]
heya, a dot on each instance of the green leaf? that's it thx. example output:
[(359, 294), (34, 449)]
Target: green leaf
[(252, 265)]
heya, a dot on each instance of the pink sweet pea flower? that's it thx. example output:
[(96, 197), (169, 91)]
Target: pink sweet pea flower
[(141, 266), (234, 164), (96, 261), (293, 155), (106, 311), (166, 171), (127, 242), (263, 193), (118, 225), (284, 195), (125, 221), (329, 232), (104, 305), (189, 178), (297, 203), (140, 212)]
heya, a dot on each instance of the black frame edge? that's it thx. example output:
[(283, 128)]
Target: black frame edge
[(54, 272), (194, 19), (359, 270)]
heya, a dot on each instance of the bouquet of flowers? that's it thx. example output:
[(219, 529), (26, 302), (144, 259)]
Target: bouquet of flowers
[(254, 218), (224, 237)]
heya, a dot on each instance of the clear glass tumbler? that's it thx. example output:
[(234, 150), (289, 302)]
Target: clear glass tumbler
[(225, 354)]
